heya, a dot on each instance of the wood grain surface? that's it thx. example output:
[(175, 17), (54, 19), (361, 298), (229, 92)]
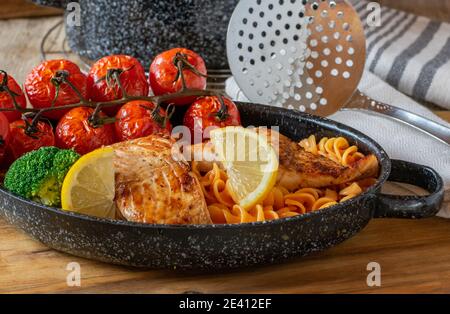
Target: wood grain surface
[(19, 51), (22, 8), (436, 9), (414, 255)]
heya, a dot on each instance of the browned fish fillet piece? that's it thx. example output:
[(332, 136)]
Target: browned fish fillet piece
[(153, 187), (299, 168)]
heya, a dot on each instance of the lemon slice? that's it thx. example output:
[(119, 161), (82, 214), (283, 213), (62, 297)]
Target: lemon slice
[(250, 161), (88, 187)]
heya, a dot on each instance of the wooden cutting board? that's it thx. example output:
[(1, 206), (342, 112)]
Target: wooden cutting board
[(414, 255)]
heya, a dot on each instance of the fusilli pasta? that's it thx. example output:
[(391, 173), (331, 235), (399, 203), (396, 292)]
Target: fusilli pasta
[(279, 203), (337, 149)]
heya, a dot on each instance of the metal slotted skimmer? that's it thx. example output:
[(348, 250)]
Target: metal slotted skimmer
[(306, 55)]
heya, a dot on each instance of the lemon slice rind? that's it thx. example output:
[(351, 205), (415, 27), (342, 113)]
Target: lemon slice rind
[(86, 190), (251, 179)]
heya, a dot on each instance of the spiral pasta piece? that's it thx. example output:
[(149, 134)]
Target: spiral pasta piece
[(350, 192), (337, 149)]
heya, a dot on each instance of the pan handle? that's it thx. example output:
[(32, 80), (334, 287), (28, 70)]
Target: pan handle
[(395, 206)]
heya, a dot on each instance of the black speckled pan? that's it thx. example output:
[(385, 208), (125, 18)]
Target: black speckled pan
[(233, 246)]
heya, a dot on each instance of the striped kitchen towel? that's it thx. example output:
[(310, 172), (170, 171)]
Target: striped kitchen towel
[(410, 52)]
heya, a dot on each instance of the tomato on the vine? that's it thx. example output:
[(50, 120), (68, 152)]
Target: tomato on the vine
[(102, 84), (207, 112), (4, 137), (23, 140), (165, 78), (45, 86), (75, 131), (6, 101), (139, 119)]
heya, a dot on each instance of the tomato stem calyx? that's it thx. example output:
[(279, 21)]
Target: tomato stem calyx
[(222, 114), (60, 77), (158, 117), (30, 128), (182, 63), (4, 83), (113, 80), (5, 88)]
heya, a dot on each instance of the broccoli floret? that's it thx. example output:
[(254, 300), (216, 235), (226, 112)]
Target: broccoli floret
[(39, 175)]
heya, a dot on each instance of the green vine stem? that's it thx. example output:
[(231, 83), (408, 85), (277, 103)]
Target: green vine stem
[(63, 77)]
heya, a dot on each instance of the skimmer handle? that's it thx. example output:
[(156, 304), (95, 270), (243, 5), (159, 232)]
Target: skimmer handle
[(362, 102)]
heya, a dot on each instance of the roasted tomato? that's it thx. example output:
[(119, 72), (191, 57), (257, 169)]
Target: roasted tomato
[(139, 119), (4, 137), (164, 76), (6, 101), (207, 112), (46, 81), (74, 131), (22, 142), (102, 85)]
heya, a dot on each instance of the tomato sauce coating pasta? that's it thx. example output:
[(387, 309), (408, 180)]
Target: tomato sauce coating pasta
[(337, 149), (281, 203)]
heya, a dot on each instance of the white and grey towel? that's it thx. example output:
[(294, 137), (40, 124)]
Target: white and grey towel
[(410, 52)]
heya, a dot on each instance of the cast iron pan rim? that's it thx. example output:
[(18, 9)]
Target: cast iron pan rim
[(324, 122), (117, 222)]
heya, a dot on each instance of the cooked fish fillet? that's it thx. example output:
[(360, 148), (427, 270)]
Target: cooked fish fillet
[(154, 187), (299, 168)]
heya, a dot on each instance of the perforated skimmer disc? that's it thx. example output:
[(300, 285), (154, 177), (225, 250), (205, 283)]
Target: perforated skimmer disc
[(297, 54)]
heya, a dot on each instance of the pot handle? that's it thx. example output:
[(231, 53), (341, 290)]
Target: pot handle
[(396, 206), (61, 4)]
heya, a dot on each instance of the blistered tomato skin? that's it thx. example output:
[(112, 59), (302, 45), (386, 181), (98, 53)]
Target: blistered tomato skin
[(202, 114), (6, 101), (134, 120), (21, 143), (163, 74), (132, 78), (75, 132), (4, 137), (41, 91)]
